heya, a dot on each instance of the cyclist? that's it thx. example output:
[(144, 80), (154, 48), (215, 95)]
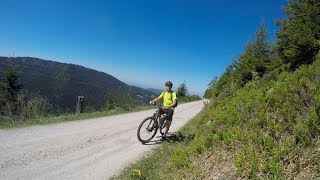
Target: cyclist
[(169, 102)]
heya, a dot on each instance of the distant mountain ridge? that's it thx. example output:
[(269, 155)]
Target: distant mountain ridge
[(61, 83), (156, 91)]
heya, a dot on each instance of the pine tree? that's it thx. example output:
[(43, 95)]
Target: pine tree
[(254, 61), (182, 90), (298, 40), (211, 85), (10, 88)]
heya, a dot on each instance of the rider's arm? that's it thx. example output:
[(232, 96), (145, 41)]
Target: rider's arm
[(156, 99)]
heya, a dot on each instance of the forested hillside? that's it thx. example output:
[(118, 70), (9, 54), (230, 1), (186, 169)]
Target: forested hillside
[(59, 84)]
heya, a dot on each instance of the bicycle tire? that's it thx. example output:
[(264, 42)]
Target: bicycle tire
[(149, 122)]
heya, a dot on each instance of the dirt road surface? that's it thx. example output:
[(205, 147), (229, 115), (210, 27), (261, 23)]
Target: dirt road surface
[(87, 149)]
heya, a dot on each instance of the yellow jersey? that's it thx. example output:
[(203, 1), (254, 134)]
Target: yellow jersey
[(168, 98)]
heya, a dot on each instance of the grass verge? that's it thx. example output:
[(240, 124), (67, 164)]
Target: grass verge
[(68, 117)]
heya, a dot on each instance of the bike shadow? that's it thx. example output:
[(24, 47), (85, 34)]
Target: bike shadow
[(172, 137)]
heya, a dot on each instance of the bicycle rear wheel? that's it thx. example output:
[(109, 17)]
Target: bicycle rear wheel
[(147, 129)]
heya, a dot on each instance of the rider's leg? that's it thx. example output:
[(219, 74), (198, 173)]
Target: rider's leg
[(169, 113), (167, 124)]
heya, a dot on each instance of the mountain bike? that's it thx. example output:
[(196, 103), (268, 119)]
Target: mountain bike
[(149, 126)]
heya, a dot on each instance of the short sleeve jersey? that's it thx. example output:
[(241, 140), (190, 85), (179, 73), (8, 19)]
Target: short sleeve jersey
[(168, 98)]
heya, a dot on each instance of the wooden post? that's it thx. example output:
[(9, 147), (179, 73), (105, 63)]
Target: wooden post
[(79, 108)]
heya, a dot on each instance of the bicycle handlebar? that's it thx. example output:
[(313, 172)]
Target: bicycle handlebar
[(160, 106)]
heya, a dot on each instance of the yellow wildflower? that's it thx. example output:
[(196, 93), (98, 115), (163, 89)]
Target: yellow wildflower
[(137, 172)]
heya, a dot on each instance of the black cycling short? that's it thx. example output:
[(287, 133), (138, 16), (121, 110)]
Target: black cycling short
[(169, 113)]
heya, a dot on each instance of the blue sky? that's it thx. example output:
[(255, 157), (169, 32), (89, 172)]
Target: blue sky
[(143, 43)]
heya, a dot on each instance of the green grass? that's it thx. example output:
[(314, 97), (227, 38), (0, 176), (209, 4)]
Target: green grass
[(68, 117), (267, 124)]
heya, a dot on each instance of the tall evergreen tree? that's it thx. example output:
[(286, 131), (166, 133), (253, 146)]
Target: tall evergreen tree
[(298, 40), (10, 88), (182, 90), (209, 91), (255, 59)]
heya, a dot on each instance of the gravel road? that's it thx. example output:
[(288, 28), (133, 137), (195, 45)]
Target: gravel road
[(87, 149)]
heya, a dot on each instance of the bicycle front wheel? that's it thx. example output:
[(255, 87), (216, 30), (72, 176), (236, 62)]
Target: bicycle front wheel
[(147, 129)]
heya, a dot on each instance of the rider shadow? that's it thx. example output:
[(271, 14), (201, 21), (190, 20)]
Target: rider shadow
[(173, 137), (179, 137)]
